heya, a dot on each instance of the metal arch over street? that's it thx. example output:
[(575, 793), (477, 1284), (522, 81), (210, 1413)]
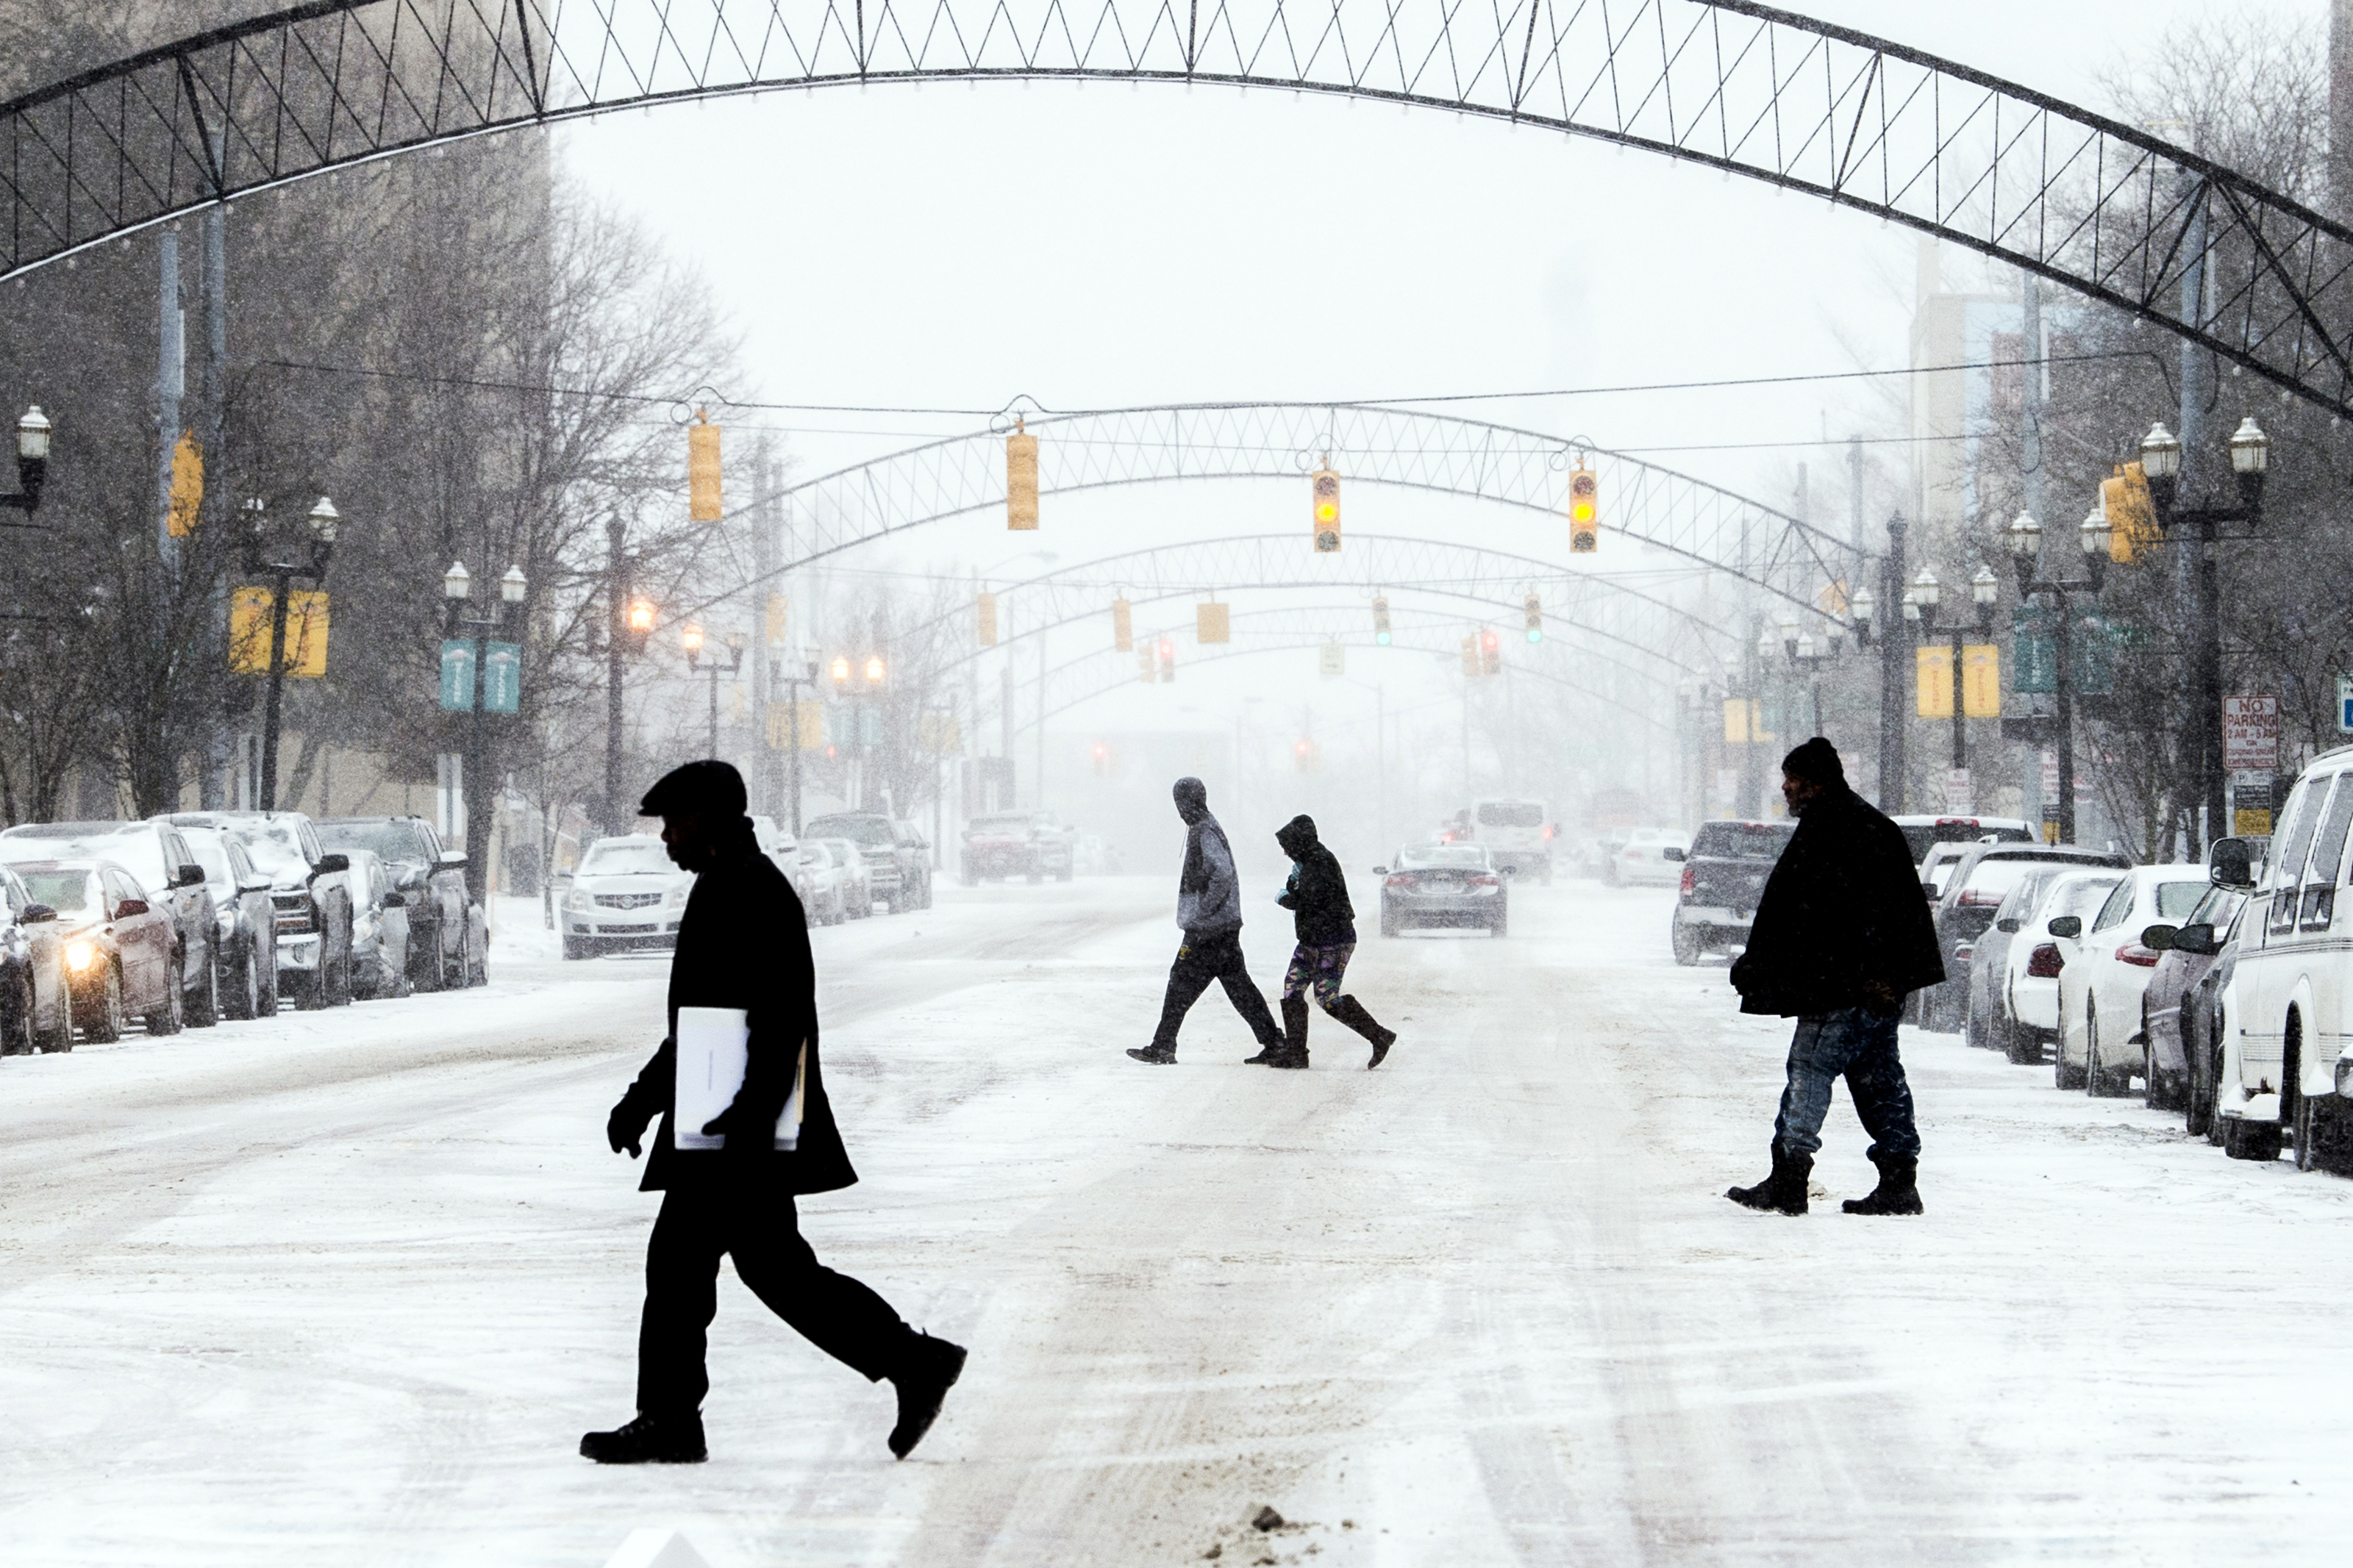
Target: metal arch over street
[(2098, 205), (1404, 448)]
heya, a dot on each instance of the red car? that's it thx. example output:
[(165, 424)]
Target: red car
[(118, 949)]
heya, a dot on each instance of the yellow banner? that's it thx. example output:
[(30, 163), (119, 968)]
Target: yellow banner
[(187, 484), (938, 733), (1744, 720), (1980, 681), (306, 632), (1933, 666), (988, 604), (812, 725), (2132, 515), (775, 625)]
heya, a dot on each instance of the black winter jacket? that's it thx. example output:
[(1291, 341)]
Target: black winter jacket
[(1317, 893), (1841, 909), (743, 943)]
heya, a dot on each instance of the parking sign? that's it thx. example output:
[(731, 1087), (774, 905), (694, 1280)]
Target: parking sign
[(2345, 703)]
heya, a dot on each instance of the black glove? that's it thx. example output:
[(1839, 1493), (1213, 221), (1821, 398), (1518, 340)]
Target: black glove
[(626, 1127), (743, 1136)]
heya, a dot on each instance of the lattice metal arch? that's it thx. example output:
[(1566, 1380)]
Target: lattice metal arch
[(2098, 205)]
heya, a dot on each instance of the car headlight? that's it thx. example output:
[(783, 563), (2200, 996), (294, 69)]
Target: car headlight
[(80, 955), (576, 900), (676, 900)]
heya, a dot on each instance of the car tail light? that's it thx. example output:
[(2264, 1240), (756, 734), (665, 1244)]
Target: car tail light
[(1964, 951), (1398, 880), (2044, 962), (1980, 896), (1487, 879), (2141, 957), (1547, 832), (1690, 883)]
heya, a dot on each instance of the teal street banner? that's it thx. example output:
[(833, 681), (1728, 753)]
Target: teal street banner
[(501, 677), (2034, 653), (458, 675)]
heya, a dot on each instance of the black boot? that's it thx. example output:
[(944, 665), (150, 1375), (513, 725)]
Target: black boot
[(1898, 1191), (933, 1366), (1292, 1051), (1783, 1191), (1158, 1056), (649, 1440), (1351, 1011)]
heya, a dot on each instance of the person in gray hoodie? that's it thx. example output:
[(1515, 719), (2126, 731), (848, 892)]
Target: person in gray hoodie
[(1210, 911)]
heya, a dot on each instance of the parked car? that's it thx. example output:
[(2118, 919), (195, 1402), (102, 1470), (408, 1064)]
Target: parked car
[(35, 1003), (248, 923), (2183, 961), (170, 879), (446, 928), (2100, 989), (2203, 1031), (1937, 867), (1970, 891), (857, 879), (626, 894), (380, 929), (2287, 1069), (785, 850), (1724, 875), (899, 857), (2035, 961), (1443, 885), (828, 901), (1990, 1023), (118, 947), (1651, 858), (1516, 833), (310, 887), (1924, 831), (1000, 845)]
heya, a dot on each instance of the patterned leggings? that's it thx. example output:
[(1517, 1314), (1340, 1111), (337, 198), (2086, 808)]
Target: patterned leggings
[(1321, 967)]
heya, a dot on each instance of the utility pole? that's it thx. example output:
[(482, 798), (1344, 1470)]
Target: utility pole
[(1040, 800), (1893, 687), (2201, 779), (171, 385), (214, 393), (616, 821), (764, 561)]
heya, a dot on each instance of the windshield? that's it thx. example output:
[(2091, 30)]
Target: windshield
[(387, 840), (2177, 900), (1921, 836), (625, 857), (1510, 813), (2078, 898), (276, 851), (67, 892), (1462, 855), (136, 851), (1994, 877), (211, 851), (998, 824), (874, 830), (1741, 840)]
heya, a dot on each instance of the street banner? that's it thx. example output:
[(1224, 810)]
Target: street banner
[(306, 632), (1933, 681), (501, 677), (1980, 681), (457, 674), (2249, 734), (1744, 721), (187, 484)]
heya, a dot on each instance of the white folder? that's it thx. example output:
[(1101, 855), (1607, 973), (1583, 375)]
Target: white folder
[(712, 1051)]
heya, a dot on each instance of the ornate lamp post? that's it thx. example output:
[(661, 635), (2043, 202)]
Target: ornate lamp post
[(32, 460), (480, 673), (323, 522), (692, 638), (2025, 537), (1919, 600)]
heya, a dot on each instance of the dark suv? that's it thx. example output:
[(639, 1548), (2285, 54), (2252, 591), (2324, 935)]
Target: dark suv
[(446, 927), (898, 858), (167, 872), (309, 888), (1724, 875)]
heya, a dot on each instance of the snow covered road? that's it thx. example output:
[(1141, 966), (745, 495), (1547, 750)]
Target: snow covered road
[(348, 1286)]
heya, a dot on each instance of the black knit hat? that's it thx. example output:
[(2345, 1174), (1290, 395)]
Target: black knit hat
[(1817, 761), (708, 787)]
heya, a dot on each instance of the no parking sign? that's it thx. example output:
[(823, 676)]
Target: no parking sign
[(2345, 703)]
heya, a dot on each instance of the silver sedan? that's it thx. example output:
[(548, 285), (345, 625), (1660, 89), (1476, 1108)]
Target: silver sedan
[(1443, 885)]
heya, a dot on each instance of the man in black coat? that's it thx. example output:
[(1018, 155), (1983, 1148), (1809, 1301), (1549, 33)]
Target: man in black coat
[(1325, 924), (1842, 935), (743, 943), (1209, 914)]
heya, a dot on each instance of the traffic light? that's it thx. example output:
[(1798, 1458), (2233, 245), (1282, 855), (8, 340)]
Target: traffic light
[(1325, 486), (1534, 619), (1213, 622), (1380, 622), (1491, 654), (1106, 760), (1584, 512), (1123, 626), (703, 469), (1020, 478), (1308, 757), (1146, 670), (1470, 656), (988, 606), (1167, 660)]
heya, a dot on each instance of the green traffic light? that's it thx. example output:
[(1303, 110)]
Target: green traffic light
[(1535, 634), (1382, 638)]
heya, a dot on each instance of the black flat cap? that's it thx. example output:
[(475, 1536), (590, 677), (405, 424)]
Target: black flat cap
[(708, 787)]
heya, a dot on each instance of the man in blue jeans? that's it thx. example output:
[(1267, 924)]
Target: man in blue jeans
[(1842, 935)]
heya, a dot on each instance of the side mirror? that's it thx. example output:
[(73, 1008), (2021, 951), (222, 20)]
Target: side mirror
[(34, 914), (1671, 853), (330, 864), (394, 901), (2230, 863), (2067, 928), (1928, 890), (129, 907), (191, 876), (2198, 938), (2158, 938), (2007, 923), (1380, 871), (454, 858)]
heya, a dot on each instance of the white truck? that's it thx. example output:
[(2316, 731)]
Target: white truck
[(1518, 835)]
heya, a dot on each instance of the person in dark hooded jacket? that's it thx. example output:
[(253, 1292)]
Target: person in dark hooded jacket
[(1209, 914), (743, 943), (1840, 936), (1325, 923)]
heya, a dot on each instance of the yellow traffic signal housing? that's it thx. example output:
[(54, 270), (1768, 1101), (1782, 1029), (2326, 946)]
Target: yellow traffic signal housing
[(1534, 618), (703, 469), (2132, 516), (1584, 512), (1325, 488), (1380, 622), (187, 485), (1020, 478), (1213, 622), (1470, 656), (1491, 654), (1123, 626), (1146, 670), (988, 620)]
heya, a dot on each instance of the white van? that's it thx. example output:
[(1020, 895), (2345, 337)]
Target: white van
[(1516, 833), (2286, 1060)]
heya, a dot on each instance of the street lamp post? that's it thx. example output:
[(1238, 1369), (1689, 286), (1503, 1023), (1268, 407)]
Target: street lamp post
[(32, 462), (2025, 551), (323, 521), (692, 638), (793, 683), (1804, 652), (483, 691), (2201, 728)]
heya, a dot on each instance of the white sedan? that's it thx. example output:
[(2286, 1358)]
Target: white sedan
[(826, 900), (857, 876), (2036, 959), (628, 893), (2099, 991), (1645, 861)]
